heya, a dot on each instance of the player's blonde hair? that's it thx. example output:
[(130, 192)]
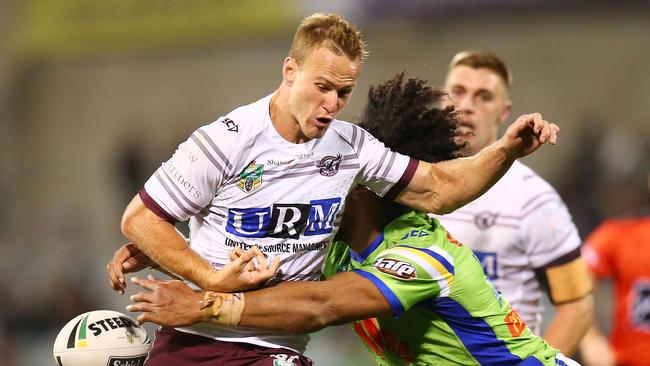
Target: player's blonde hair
[(331, 31), (479, 59)]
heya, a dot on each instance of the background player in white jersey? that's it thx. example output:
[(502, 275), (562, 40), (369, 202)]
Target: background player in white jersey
[(276, 172), (520, 229)]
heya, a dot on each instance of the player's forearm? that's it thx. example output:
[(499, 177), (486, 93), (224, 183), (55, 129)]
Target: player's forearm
[(571, 322), (161, 242), (295, 307), (310, 306), (460, 181)]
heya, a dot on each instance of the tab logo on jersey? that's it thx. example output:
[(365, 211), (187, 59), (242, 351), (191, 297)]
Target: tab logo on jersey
[(329, 165), (489, 262), (251, 177), (395, 267), (284, 220), (641, 305)]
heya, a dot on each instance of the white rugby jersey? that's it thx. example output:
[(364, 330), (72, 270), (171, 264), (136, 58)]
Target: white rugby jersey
[(241, 183), (516, 228)]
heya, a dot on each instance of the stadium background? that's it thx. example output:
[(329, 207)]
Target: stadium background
[(94, 95)]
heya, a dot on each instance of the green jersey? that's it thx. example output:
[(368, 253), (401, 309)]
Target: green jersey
[(445, 312)]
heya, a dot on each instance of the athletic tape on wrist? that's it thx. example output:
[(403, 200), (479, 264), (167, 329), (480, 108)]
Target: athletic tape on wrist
[(223, 308)]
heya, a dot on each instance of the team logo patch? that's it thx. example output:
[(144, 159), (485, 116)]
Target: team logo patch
[(395, 268), (516, 326), (284, 360), (251, 177), (485, 220), (329, 165)]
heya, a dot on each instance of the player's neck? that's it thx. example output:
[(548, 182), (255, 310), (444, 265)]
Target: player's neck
[(370, 214)]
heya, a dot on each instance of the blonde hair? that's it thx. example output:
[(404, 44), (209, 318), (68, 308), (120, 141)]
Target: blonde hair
[(479, 59), (331, 31)]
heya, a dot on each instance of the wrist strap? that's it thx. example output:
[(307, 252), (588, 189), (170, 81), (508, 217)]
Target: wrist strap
[(223, 308)]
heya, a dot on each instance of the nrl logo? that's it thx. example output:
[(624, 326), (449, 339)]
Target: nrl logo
[(283, 360), (329, 165), (251, 177)]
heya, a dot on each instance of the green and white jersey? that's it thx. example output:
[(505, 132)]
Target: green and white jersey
[(445, 312)]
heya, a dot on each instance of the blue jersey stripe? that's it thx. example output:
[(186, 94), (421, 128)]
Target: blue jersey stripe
[(394, 302), (360, 257), (531, 361), (448, 266), (475, 334)]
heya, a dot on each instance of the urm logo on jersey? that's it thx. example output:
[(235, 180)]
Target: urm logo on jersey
[(284, 220)]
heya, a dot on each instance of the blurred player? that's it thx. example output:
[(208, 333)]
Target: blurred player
[(276, 173), (620, 249), (520, 229), (432, 302)]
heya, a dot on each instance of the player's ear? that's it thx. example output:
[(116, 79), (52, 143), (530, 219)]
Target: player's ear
[(289, 69), (506, 111)]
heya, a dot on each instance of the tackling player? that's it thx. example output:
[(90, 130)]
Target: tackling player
[(423, 296), (520, 228)]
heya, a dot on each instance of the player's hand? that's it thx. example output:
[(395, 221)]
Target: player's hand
[(127, 259), (527, 134), (167, 303), (595, 351), (247, 269)]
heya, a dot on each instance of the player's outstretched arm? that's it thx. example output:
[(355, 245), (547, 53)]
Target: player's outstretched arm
[(297, 307), (445, 186)]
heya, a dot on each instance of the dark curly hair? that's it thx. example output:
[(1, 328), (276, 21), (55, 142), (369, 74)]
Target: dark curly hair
[(407, 118)]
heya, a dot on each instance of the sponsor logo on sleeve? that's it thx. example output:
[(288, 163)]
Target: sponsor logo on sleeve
[(395, 267), (329, 165), (230, 124), (251, 177)]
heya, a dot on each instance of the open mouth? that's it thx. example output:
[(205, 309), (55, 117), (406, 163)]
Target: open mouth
[(465, 129), (324, 120)]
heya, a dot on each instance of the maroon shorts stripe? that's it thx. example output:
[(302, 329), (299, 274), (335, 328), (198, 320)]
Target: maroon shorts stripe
[(172, 347)]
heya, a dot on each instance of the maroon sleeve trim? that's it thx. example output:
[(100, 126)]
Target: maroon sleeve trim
[(155, 207), (404, 180), (566, 258)]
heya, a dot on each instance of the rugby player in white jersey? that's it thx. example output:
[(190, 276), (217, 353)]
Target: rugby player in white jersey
[(275, 174), (520, 229)]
